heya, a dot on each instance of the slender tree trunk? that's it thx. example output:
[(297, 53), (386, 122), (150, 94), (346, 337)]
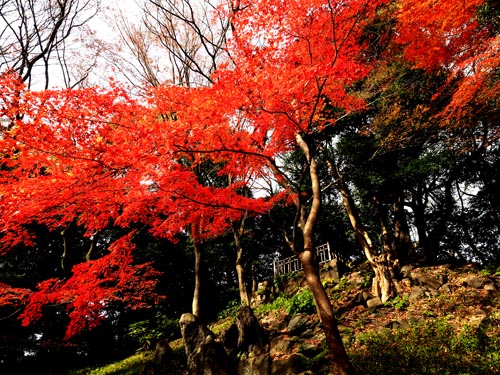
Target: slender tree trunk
[(307, 222), (65, 248), (198, 279), (402, 238), (341, 363), (418, 206), (240, 271), (255, 284), (240, 263)]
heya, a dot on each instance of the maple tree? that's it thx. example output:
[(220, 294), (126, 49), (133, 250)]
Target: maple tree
[(289, 74), (97, 157), (94, 156), (460, 39)]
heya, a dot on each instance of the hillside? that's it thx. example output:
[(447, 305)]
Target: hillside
[(447, 321)]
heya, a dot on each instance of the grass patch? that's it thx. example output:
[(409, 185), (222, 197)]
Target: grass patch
[(134, 364), (129, 366)]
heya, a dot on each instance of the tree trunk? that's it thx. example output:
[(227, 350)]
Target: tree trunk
[(198, 276), (240, 266), (402, 238), (387, 263), (383, 283), (240, 271), (341, 363), (306, 222)]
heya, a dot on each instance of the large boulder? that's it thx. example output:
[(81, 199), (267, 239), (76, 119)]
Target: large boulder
[(246, 336), (205, 356)]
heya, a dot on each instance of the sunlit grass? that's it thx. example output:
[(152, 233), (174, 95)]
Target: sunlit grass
[(129, 366)]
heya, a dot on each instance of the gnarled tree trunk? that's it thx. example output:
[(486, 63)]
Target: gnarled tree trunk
[(384, 283)]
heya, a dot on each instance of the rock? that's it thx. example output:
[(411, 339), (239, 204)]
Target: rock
[(398, 324), (320, 337), (252, 338), (428, 281), (308, 333), (445, 288), (294, 364), (476, 282), (374, 302), (416, 293), (205, 356), (276, 325), (298, 324), (281, 345), (491, 287), (406, 271), (355, 278), (406, 282), (163, 352), (246, 335), (360, 298), (311, 350), (260, 365), (229, 339), (478, 315), (331, 271)]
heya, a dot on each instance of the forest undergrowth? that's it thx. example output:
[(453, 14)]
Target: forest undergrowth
[(451, 331)]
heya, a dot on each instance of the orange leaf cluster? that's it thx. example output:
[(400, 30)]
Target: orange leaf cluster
[(440, 35)]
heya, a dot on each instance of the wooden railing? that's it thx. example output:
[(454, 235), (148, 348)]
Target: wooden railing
[(291, 264)]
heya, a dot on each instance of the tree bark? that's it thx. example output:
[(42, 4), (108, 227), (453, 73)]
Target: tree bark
[(198, 278), (240, 266), (341, 362), (418, 205), (388, 262), (402, 236), (383, 285)]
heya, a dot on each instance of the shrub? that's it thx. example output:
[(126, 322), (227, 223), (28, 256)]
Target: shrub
[(302, 302), (231, 310), (435, 347), (147, 332)]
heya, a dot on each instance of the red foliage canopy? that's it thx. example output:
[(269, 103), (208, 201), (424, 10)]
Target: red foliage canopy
[(446, 35), (97, 156), (94, 286)]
